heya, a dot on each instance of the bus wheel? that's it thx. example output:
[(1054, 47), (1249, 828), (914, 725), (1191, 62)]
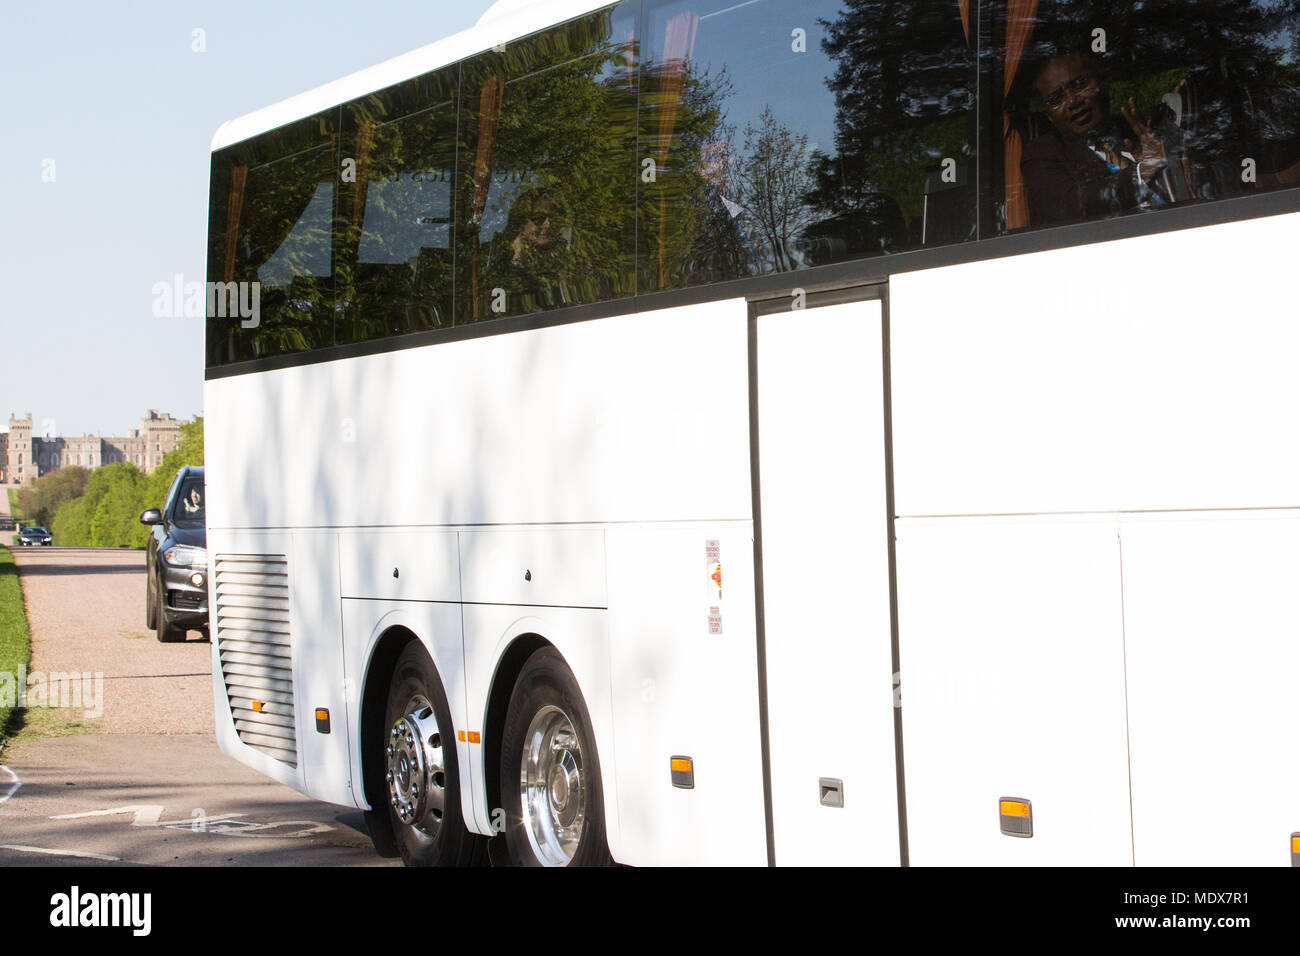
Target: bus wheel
[(550, 775), (420, 772)]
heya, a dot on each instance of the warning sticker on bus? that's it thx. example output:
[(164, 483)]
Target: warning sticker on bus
[(713, 561)]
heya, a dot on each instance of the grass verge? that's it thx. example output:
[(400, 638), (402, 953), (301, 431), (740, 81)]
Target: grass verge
[(15, 643), (14, 510)]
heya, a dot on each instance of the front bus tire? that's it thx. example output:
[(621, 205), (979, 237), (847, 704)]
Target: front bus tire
[(550, 774), (421, 776)]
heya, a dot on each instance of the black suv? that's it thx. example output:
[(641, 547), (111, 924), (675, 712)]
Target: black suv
[(176, 560)]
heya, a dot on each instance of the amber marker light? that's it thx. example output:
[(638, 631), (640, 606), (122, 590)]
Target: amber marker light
[(1016, 817), (257, 706), (682, 770)]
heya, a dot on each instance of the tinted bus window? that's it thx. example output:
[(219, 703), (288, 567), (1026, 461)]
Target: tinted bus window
[(546, 198), (394, 240), (793, 133), (1126, 109), (271, 223)]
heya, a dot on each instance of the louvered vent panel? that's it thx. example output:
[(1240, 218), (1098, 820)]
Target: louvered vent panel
[(253, 641)]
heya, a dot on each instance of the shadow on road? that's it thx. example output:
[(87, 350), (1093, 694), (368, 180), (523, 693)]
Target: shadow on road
[(33, 570)]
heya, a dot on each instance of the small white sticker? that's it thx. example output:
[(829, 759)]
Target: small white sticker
[(715, 620)]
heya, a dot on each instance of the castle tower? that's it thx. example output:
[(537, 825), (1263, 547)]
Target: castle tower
[(22, 468)]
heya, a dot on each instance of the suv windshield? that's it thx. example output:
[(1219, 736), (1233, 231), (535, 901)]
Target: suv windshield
[(188, 512)]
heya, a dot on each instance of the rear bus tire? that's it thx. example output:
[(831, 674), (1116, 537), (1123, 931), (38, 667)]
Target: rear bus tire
[(550, 773), (421, 775)]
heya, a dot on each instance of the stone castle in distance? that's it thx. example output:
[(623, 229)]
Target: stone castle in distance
[(25, 454)]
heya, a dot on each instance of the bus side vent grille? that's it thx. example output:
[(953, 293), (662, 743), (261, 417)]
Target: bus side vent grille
[(253, 643)]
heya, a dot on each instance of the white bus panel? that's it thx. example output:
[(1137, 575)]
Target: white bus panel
[(1134, 374)]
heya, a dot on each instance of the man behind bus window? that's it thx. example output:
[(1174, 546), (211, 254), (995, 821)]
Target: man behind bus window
[(1089, 166)]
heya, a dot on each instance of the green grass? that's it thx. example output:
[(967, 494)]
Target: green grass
[(13, 504), (15, 642), (38, 722)]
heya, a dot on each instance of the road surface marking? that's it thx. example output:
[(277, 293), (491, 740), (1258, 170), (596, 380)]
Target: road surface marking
[(78, 855), (146, 815), (15, 783), (149, 815), (259, 830)]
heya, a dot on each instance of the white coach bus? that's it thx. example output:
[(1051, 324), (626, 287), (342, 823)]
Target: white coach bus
[(772, 431)]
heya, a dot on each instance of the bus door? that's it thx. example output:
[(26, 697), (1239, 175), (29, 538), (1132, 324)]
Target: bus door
[(822, 534)]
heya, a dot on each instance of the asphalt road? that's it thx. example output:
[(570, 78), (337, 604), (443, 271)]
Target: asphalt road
[(130, 773)]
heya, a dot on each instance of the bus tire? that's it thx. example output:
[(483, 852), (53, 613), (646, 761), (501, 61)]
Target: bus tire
[(550, 773), (421, 774)]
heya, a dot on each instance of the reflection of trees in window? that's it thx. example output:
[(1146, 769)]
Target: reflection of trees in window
[(394, 260), (270, 221), (904, 102), (778, 196), (550, 127), (284, 243), (689, 233), (772, 181), (732, 168)]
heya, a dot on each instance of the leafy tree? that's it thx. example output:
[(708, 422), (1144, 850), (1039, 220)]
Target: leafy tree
[(71, 525), (43, 498), (108, 513), (115, 491)]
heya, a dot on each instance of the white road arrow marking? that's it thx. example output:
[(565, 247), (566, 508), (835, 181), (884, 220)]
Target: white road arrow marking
[(146, 814), (14, 784)]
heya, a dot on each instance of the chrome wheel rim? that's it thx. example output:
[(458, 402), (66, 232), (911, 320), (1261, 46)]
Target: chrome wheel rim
[(552, 787), (417, 772)]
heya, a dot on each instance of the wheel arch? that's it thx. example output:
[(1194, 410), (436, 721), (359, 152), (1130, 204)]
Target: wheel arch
[(374, 698), (509, 665)]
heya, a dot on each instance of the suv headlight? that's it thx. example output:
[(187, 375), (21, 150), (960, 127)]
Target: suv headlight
[(183, 556)]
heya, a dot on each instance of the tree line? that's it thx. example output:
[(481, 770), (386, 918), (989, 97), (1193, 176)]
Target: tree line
[(101, 508)]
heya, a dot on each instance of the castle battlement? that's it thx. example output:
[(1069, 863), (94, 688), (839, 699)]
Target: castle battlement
[(26, 453)]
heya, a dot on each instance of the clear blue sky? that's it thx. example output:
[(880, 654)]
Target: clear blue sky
[(115, 96)]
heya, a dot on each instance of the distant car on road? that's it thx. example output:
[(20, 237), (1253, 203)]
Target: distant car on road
[(35, 535), (176, 593)]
